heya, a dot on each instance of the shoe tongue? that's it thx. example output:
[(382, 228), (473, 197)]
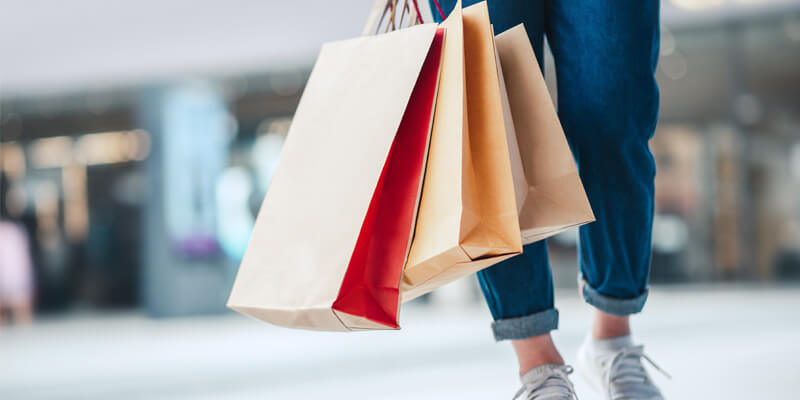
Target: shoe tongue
[(612, 344), (536, 373)]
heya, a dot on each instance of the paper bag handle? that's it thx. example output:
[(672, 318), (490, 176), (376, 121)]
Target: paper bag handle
[(382, 7), (438, 8)]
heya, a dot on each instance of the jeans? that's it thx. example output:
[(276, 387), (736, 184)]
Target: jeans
[(605, 54)]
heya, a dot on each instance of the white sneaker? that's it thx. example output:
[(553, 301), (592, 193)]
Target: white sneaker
[(614, 368), (547, 382)]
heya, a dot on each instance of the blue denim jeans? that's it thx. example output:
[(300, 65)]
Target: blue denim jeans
[(605, 54)]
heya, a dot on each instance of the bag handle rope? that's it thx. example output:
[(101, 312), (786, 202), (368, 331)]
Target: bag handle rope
[(382, 8)]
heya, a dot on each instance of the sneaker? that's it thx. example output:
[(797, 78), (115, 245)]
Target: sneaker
[(547, 382), (614, 368)]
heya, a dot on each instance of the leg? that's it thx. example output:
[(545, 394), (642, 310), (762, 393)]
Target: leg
[(519, 291), (605, 53)]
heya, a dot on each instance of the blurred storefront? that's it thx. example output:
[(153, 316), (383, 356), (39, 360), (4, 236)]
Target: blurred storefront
[(74, 182), (143, 194), (728, 202)]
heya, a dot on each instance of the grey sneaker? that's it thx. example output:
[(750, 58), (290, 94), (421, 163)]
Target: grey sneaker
[(547, 382), (619, 374)]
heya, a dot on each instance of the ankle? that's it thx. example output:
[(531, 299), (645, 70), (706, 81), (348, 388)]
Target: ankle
[(536, 351), (607, 326)]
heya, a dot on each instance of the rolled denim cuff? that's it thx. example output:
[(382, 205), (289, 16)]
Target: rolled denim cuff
[(612, 305), (526, 326)]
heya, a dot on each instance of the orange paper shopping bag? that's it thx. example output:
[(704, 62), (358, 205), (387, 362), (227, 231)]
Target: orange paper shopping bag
[(468, 216)]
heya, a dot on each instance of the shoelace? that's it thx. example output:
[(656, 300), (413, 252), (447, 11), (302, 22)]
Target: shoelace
[(556, 385), (626, 376)]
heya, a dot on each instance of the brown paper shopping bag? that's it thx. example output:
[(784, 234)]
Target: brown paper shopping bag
[(549, 191), (333, 233), (467, 217)]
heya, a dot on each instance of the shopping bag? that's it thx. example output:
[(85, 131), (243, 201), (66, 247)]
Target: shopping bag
[(333, 231), (550, 195), (467, 217)]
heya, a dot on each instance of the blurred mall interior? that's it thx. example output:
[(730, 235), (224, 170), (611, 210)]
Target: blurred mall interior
[(138, 140)]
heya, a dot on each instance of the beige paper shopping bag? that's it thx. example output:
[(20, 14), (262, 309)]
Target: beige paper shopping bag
[(467, 218), (517, 168), (550, 192), (338, 182)]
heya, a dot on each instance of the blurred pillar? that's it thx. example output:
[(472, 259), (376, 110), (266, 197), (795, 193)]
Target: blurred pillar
[(184, 270), (739, 222), (728, 219)]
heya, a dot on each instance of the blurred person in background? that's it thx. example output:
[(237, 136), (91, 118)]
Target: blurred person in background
[(16, 269), (605, 55)]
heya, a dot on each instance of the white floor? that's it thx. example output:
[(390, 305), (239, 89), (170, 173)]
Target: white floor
[(717, 342)]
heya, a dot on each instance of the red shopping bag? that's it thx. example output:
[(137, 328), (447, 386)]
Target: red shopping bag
[(370, 288)]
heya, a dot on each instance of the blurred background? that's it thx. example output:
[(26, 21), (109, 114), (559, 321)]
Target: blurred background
[(137, 140)]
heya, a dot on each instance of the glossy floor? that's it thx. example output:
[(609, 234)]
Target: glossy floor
[(717, 342)]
